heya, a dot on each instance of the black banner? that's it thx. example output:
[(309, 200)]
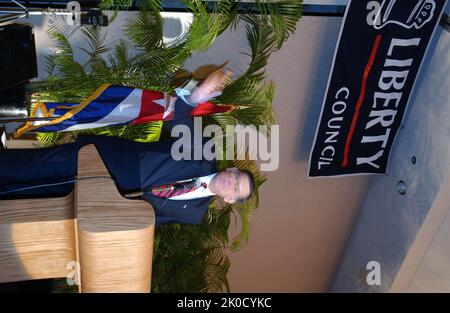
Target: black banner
[(378, 56)]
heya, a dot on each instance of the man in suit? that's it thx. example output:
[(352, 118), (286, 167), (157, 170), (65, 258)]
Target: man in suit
[(135, 166)]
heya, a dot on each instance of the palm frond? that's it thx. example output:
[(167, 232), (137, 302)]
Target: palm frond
[(254, 101), (204, 28), (96, 66), (96, 42), (187, 259), (282, 16), (158, 67), (119, 59), (216, 269), (49, 139), (115, 4), (261, 41), (50, 63), (259, 108), (146, 30), (227, 12), (58, 23), (67, 67)]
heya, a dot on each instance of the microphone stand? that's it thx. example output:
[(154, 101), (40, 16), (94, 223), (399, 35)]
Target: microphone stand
[(75, 16)]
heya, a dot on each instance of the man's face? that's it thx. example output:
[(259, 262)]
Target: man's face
[(231, 185)]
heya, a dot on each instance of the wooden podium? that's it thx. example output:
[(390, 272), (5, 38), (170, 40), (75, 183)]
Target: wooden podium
[(93, 236)]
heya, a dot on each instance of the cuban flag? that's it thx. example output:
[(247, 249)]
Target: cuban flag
[(111, 105)]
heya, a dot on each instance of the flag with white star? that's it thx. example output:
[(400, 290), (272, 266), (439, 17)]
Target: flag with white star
[(110, 105)]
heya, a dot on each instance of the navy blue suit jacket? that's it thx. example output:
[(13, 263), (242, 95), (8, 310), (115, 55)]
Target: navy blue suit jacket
[(133, 165)]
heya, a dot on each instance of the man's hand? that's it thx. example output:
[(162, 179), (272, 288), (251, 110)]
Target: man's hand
[(212, 86)]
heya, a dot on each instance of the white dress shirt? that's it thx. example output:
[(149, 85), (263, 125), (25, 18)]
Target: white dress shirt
[(200, 192)]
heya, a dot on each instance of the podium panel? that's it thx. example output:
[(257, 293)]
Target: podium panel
[(109, 237)]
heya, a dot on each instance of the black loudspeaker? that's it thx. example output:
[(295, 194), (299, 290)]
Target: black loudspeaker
[(17, 55)]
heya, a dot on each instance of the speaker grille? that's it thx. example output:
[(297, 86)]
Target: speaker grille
[(5, 56), (17, 55)]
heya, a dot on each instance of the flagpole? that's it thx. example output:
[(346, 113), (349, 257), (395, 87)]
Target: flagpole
[(25, 119)]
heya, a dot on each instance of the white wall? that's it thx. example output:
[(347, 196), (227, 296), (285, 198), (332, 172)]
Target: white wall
[(426, 267), (389, 222)]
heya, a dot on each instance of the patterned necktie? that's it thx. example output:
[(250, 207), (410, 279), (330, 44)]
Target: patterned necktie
[(176, 189)]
